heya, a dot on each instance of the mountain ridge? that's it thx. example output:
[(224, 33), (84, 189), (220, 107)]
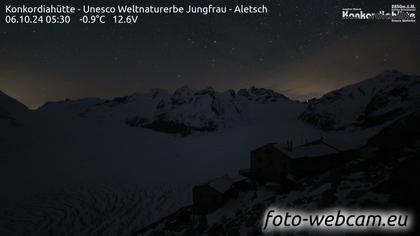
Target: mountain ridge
[(368, 103), (88, 144), (11, 109), (365, 104)]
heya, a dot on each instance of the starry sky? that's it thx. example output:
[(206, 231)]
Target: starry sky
[(301, 48)]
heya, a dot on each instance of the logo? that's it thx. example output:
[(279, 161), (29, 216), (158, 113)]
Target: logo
[(397, 13)]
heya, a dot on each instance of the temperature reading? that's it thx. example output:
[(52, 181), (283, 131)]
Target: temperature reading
[(93, 19)]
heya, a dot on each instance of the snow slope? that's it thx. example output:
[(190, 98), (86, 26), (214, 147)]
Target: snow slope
[(368, 103), (13, 115), (184, 111), (10, 110), (78, 165)]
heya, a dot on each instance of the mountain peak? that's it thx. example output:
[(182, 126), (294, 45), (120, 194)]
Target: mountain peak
[(182, 95), (207, 91), (10, 108), (261, 94), (157, 92), (10, 104), (389, 74), (368, 103)]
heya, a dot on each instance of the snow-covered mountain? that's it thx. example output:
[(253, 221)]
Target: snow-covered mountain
[(368, 103), (207, 110), (96, 166), (10, 110), (184, 111), (67, 107), (77, 155)]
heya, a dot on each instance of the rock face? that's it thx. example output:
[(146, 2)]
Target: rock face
[(369, 103), (261, 95), (366, 104), (184, 111)]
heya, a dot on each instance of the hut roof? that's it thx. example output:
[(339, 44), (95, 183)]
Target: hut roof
[(311, 149), (221, 184)]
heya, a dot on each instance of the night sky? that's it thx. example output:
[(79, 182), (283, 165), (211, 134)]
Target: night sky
[(301, 48)]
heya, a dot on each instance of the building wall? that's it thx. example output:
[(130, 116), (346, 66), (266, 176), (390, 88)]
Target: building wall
[(309, 166), (206, 199), (269, 164)]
